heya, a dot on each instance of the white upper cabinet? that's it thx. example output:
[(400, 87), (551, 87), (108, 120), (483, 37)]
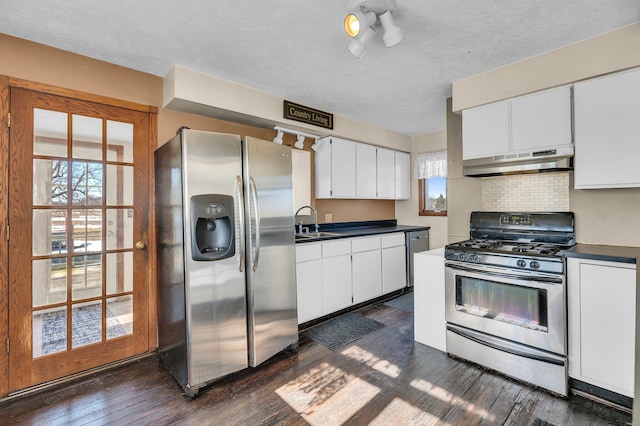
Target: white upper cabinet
[(607, 131), (386, 173), (521, 125), (365, 171), (403, 175), (485, 130), (335, 172), (541, 120), (347, 169)]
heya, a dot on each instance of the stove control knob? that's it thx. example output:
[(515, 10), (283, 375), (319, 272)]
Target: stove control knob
[(473, 257), (521, 263), (534, 264), (462, 256)]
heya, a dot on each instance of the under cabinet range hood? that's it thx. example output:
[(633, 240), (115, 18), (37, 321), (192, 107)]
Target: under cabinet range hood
[(548, 160)]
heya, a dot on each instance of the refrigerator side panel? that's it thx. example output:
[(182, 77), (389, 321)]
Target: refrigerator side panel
[(271, 282), (172, 338), (215, 281)]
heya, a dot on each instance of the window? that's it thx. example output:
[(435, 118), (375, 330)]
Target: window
[(431, 171)]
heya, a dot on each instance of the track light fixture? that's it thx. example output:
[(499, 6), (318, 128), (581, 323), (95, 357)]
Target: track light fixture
[(359, 25), (299, 141), (278, 138), (317, 144)]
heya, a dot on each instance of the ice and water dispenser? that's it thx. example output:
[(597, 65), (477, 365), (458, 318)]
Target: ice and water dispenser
[(212, 227)]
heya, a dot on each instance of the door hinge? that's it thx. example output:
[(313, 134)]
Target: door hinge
[(9, 120)]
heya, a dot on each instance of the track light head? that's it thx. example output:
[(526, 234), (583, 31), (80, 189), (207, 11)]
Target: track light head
[(393, 34), (299, 142), (356, 22), (316, 144), (278, 138), (358, 46)]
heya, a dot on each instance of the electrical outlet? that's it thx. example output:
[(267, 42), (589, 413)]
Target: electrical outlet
[(328, 217)]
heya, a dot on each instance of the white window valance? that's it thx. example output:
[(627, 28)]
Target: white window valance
[(430, 165)]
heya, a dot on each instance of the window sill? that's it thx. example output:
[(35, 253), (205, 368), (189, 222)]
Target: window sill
[(432, 213)]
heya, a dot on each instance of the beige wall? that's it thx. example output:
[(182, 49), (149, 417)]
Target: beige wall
[(606, 216), (613, 51), (407, 210)]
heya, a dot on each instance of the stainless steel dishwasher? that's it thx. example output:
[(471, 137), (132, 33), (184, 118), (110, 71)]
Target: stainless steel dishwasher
[(417, 241)]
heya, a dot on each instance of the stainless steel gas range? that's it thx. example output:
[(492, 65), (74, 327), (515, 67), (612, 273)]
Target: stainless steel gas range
[(506, 295)]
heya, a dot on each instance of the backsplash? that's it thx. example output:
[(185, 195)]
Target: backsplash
[(526, 192)]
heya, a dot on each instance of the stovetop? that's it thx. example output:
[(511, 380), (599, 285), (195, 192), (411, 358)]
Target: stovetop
[(523, 241)]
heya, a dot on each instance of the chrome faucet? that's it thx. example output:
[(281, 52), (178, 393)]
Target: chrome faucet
[(315, 219)]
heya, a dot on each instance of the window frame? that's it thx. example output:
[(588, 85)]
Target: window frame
[(421, 202)]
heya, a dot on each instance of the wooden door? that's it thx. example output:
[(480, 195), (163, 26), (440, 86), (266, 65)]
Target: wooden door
[(79, 226)]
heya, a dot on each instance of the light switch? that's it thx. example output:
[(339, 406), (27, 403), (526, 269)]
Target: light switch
[(328, 217)]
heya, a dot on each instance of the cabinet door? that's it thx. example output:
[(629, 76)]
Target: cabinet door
[(309, 283), (394, 269), (541, 120), (365, 171), (343, 168), (367, 277), (607, 131), (386, 164), (336, 283), (323, 169), (485, 131), (403, 175), (601, 305)]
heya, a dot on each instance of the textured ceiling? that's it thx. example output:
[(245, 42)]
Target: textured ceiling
[(298, 50)]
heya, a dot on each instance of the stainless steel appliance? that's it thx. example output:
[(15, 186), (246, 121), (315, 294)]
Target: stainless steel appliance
[(226, 259), (416, 241), (505, 295)]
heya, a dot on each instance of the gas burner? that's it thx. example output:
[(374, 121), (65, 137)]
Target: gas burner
[(535, 249), (480, 244)]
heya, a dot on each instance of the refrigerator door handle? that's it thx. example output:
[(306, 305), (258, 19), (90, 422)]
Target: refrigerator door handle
[(256, 207), (241, 215)]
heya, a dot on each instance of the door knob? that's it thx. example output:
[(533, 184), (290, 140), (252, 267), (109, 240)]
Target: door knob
[(140, 245)]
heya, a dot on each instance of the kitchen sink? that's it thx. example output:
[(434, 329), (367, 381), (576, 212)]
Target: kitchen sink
[(310, 235)]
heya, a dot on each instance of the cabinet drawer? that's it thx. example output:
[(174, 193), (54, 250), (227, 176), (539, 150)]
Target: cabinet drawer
[(306, 252), (365, 244), (393, 240), (336, 248)]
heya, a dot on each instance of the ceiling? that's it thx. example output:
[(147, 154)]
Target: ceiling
[(297, 50)]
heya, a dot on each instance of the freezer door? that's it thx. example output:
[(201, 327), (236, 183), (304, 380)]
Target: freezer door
[(214, 276), (271, 283)]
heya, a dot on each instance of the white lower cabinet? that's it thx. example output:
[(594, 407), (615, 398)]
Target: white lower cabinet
[(366, 269), (309, 281), (394, 262), (430, 326), (336, 274), (601, 322)]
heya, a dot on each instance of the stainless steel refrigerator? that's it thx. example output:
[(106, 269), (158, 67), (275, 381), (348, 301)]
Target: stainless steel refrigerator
[(226, 255)]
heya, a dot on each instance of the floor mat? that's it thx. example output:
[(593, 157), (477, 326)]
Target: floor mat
[(343, 330), (404, 302)]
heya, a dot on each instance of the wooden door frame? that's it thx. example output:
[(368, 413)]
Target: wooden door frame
[(5, 84)]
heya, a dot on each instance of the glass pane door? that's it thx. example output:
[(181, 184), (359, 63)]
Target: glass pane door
[(85, 299)]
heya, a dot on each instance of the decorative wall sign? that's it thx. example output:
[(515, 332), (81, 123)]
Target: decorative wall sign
[(307, 115)]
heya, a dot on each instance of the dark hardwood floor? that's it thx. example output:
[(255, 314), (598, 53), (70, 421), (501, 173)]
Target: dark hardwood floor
[(384, 378)]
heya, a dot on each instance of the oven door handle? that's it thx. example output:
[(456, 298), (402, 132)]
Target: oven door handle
[(550, 280), (501, 346)]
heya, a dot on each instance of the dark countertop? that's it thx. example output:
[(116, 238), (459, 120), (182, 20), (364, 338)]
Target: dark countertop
[(361, 229), (607, 253)]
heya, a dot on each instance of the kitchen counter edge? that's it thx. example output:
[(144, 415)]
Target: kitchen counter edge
[(622, 254), (360, 229)]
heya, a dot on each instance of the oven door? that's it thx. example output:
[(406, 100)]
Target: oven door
[(520, 306)]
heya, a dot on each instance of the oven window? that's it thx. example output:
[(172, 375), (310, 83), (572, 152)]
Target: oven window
[(513, 304)]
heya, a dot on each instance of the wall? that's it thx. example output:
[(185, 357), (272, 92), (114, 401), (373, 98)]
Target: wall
[(606, 216), (612, 51), (407, 210), (464, 194)]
